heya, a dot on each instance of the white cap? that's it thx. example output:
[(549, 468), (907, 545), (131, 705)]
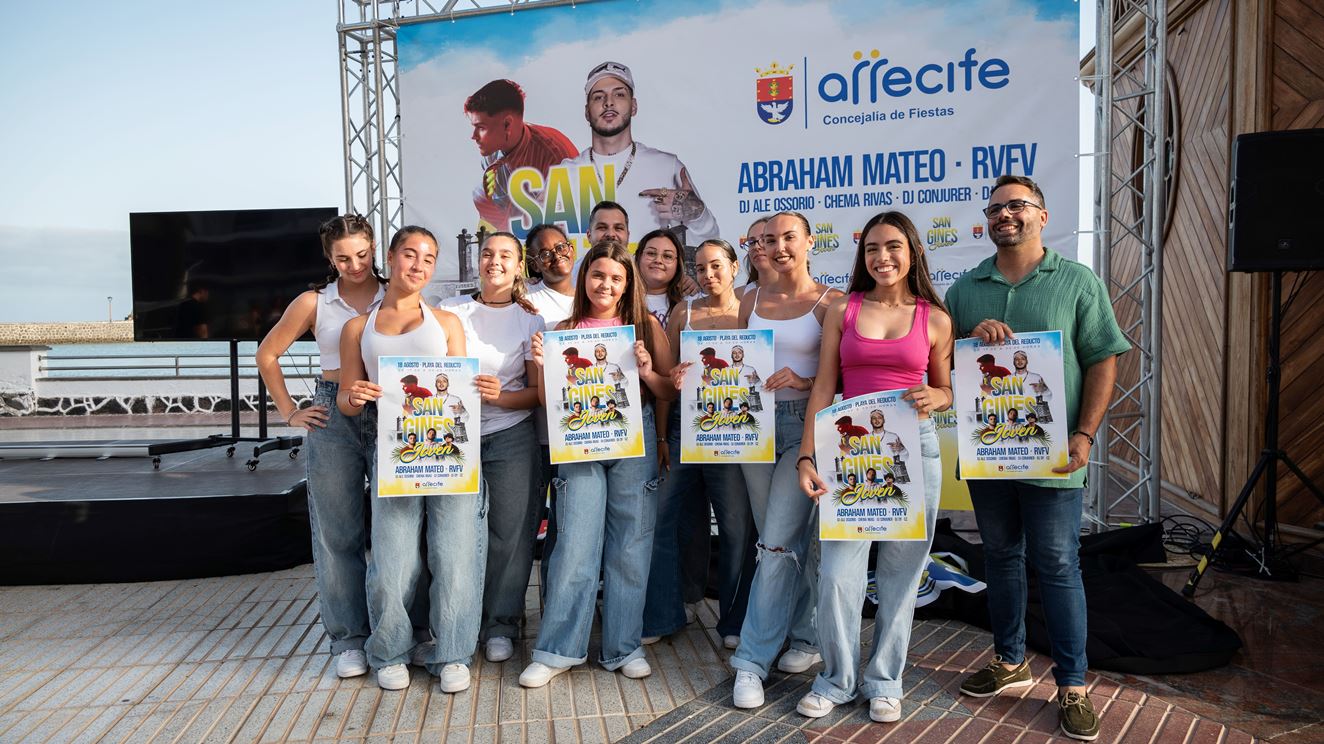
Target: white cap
[(609, 69)]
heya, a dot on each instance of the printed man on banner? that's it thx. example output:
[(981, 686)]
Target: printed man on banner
[(652, 185), (1027, 287), (507, 142)]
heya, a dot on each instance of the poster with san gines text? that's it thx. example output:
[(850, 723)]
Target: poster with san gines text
[(427, 426), (1011, 420), (868, 454), (594, 411), (723, 418)]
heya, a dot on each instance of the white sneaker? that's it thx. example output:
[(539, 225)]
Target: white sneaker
[(637, 668), (748, 690), (454, 678), (393, 677), (885, 709), (795, 661), (351, 663), (421, 654), (814, 705), (732, 642), (538, 674), (499, 649), (649, 640), (691, 612)]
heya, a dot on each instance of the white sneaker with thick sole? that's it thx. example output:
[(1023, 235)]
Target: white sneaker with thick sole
[(538, 674), (637, 668), (393, 677), (748, 690), (499, 649), (454, 678), (351, 663), (795, 661), (732, 642), (814, 705), (885, 709)]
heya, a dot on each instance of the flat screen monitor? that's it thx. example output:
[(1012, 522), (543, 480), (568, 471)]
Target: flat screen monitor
[(221, 274)]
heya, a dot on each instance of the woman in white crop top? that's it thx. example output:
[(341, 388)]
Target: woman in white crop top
[(456, 525), (335, 444), (792, 304)]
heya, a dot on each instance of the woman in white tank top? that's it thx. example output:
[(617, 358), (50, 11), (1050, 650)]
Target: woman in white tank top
[(336, 456), (456, 525), (683, 500), (792, 304)]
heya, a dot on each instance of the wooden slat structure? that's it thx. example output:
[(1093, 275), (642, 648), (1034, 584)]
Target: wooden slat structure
[(1234, 66)]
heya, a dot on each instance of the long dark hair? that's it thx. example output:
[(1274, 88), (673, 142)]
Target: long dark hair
[(339, 228), (917, 280), (630, 308), (674, 293), (519, 292)]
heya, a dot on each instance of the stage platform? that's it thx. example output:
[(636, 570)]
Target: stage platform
[(86, 519)]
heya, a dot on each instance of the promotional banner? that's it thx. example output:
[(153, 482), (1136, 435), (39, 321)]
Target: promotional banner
[(868, 454), (427, 426), (1009, 422), (861, 106), (722, 415), (512, 119), (593, 403)]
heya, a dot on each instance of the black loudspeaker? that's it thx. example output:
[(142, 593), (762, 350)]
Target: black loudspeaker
[(1276, 211)]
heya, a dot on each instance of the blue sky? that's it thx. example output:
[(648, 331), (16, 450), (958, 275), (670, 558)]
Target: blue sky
[(112, 108)]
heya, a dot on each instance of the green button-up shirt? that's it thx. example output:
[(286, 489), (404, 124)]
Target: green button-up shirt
[(1059, 295)]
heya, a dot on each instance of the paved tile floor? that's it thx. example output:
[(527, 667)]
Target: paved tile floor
[(244, 659)]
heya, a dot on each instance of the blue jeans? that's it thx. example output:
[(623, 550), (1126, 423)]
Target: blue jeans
[(339, 459), (787, 553), (605, 514), (1013, 517), (841, 590), (510, 478), (687, 490), (456, 546)]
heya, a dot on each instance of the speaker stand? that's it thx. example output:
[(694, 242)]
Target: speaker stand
[(1271, 557)]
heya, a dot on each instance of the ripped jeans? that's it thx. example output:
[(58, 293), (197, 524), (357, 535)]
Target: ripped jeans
[(605, 515), (784, 594)]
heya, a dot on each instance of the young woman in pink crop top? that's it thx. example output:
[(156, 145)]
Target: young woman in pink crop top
[(888, 333)]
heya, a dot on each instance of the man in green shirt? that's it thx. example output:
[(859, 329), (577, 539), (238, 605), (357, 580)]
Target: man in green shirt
[(1027, 287)]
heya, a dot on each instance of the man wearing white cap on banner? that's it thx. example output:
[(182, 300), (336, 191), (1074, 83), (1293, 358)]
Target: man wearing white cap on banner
[(653, 186)]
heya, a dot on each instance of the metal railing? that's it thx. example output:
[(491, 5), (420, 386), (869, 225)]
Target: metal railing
[(190, 365)]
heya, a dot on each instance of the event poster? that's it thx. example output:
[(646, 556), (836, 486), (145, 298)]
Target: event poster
[(868, 455), (1010, 416), (723, 418), (594, 411), (427, 426), (861, 106)]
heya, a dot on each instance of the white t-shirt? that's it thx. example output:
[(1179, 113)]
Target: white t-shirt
[(651, 169), (500, 338), (659, 306), (553, 306)]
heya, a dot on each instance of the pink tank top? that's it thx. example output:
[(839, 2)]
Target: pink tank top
[(869, 365)]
